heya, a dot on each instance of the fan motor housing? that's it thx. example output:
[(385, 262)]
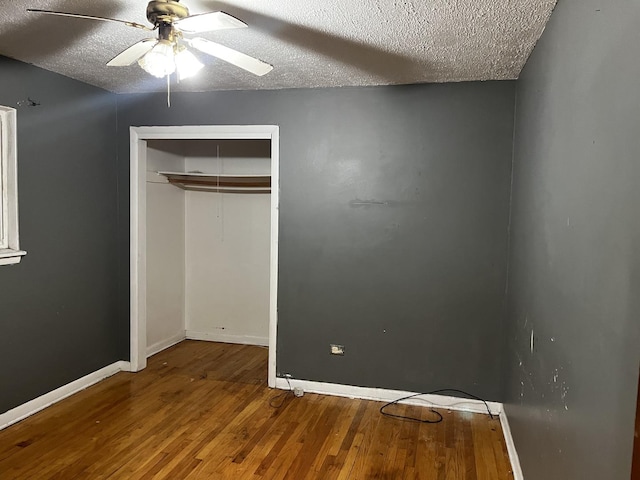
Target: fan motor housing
[(165, 11)]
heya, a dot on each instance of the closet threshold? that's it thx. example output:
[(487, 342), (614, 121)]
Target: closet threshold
[(213, 182)]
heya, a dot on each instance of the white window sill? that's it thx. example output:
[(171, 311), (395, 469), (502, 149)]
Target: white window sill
[(11, 257)]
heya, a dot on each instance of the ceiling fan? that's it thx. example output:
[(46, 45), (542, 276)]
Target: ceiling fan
[(167, 53)]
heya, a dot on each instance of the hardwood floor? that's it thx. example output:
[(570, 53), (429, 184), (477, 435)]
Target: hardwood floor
[(202, 411)]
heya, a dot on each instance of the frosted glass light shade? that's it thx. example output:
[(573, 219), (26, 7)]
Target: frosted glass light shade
[(160, 61), (187, 65)]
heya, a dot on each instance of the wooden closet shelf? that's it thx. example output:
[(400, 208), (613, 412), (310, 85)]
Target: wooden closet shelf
[(220, 183)]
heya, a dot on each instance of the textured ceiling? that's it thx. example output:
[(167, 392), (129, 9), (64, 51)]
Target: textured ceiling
[(309, 43)]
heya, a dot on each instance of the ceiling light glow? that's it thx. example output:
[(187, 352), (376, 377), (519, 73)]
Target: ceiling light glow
[(160, 61), (187, 65)]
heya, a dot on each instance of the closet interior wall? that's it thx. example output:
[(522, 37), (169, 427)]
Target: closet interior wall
[(165, 250), (213, 266)]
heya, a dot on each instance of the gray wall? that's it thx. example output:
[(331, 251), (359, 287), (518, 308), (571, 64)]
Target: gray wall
[(575, 246), (58, 307), (413, 283)]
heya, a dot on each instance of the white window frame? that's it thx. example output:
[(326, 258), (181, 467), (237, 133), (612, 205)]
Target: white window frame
[(10, 252)]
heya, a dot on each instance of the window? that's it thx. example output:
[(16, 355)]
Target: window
[(10, 252)]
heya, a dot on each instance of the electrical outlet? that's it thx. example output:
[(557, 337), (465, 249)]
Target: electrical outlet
[(337, 349)]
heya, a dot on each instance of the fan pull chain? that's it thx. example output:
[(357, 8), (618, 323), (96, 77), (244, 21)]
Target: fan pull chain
[(168, 91)]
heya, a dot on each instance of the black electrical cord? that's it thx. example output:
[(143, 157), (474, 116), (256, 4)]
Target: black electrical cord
[(438, 415), (282, 395)]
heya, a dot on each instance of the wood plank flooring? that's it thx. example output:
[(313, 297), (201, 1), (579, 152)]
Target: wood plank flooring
[(203, 411)]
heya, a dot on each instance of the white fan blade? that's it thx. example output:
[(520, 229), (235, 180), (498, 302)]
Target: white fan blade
[(133, 53), (207, 22), (250, 64), (90, 17)]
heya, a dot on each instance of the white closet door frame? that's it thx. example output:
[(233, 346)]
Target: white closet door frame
[(138, 240)]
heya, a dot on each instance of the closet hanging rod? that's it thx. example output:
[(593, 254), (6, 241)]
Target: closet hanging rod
[(212, 182)]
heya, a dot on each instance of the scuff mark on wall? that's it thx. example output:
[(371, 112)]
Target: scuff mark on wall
[(367, 203), (532, 340), (563, 395), (359, 203)]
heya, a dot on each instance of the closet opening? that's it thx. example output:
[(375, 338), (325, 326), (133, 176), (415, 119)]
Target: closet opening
[(204, 237)]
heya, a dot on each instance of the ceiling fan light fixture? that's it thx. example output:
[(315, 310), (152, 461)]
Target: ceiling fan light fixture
[(160, 60), (165, 55), (187, 65)]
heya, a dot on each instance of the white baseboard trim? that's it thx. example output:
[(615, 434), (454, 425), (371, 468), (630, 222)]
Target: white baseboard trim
[(511, 447), (385, 395), (164, 344), (27, 409), (227, 338), (125, 366)]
